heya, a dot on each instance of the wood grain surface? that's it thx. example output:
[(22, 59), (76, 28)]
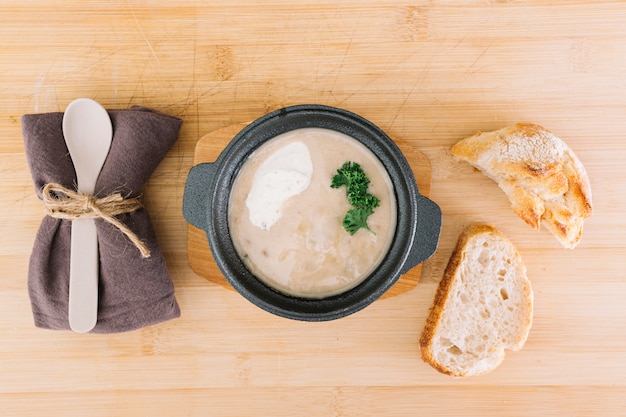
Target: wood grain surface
[(428, 73), (199, 253)]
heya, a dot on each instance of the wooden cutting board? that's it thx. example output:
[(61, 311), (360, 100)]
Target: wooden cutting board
[(199, 253)]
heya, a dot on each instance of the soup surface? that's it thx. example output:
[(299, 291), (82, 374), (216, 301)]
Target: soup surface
[(286, 221)]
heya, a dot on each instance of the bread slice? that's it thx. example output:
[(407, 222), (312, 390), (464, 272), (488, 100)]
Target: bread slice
[(483, 306), (544, 180)]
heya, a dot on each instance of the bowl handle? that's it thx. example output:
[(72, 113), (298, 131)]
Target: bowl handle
[(426, 237), (197, 196)]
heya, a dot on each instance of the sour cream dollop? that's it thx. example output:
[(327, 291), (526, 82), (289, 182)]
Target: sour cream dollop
[(284, 174)]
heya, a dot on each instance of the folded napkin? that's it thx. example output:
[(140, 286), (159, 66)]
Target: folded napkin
[(134, 291)]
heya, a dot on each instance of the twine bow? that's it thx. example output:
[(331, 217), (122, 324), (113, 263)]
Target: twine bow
[(77, 205)]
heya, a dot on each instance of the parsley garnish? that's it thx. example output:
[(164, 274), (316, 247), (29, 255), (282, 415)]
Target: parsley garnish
[(352, 176)]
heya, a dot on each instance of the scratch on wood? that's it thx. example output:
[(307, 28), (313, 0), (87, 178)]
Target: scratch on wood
[(41, 90), (145, 38), (37, 90), (346, 51), (418, 81), (471, 69)]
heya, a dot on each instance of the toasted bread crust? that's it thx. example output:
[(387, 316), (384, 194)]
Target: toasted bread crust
[(544, 180)]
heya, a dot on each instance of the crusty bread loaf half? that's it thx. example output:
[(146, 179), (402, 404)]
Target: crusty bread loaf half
[(544, 180), (483, 306)]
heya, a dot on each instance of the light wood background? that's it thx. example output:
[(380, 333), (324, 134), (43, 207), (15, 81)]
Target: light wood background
[(428, 73)]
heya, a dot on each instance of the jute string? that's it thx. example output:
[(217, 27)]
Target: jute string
[(77, 205)]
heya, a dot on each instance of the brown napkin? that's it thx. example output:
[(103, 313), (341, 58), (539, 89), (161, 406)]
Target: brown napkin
[(133, 292)]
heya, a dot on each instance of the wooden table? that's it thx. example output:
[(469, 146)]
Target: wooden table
[(427, 73)]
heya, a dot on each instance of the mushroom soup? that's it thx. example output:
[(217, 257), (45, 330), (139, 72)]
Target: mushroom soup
[(285, 220)]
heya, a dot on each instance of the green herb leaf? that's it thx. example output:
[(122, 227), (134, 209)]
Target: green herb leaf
[(351, 176), (356, 219), (363, 200)]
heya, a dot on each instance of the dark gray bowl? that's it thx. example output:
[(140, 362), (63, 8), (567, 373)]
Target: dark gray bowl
[(207, 194)]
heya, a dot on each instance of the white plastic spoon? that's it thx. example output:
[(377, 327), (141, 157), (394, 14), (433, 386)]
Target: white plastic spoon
[(88, 133)]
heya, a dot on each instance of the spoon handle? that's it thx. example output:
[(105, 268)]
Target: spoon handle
[(83, 297)]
